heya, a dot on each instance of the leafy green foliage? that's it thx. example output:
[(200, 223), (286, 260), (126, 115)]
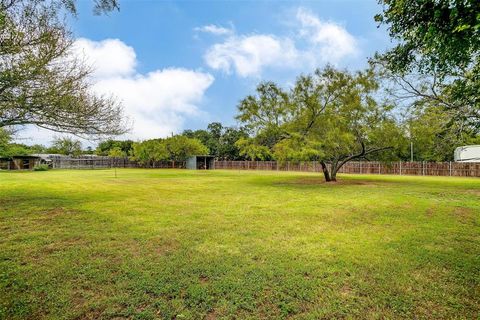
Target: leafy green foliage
[(220, 140), (252, 150), (104, 147), (67, 146), (434, 138), (176, 148), (14, 149), (441, 40), (331, 116), (440, 35), (8, 148), (4, 140), (41, 82), (180, 148), (116, 152), (41, 167)]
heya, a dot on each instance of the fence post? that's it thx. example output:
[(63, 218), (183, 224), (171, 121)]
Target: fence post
[(400, 167), (423, 168), (379, 168), (450, 167)]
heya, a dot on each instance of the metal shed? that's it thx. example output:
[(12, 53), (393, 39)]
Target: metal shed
[(201, 162)]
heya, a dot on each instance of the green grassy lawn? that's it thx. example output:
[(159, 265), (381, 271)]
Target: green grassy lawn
[(173, 244)]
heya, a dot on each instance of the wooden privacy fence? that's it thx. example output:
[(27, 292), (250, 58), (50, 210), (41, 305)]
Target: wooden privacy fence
[(458, 169), (107, 162)]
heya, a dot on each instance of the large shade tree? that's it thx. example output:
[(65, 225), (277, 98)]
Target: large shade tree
[(41, 82), (330, 116), (436, 58)]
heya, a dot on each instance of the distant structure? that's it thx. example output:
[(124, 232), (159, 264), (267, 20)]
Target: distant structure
[(27, 162), (467, 154), (201, 162)]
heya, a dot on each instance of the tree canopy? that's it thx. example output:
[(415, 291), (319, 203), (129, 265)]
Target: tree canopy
[(67, 146), (440, 35), (41, 82), (330, 116), (220, 140), (104, 147), (438, 41), (176, 148)]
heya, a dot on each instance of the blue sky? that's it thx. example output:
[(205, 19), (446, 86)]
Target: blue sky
[(182, 64)]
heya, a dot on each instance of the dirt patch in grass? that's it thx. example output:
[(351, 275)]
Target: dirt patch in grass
[(63, 245), (431, 211), (46, 215), (346, 291), (55, 212), (204, 279), (320, 181), (464, 215), (211, 315), (7, 202), (473, 192), (161, 246)]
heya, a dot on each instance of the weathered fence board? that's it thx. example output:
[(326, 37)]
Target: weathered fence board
[(107, 162), (459, 169)]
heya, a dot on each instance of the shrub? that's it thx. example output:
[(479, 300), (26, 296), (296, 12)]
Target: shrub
[(41, 167)]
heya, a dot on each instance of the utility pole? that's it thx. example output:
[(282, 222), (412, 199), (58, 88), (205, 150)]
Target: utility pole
[(411, 151)]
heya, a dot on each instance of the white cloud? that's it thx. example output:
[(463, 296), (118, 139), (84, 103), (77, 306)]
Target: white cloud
[(214, 29), (249, 54), (319, 42), (331, 40), (158, 102), (110, 57)]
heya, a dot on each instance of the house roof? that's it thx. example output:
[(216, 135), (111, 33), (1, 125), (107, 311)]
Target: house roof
[(19, 157)]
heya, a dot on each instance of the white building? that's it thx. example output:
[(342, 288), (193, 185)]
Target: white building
[(467, 154)]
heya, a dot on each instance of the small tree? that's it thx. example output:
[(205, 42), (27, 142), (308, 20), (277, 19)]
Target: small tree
[(67, 146), (149, 151), (116, 153), (106, 146), (220, 140), (177, 148), (180, 148)]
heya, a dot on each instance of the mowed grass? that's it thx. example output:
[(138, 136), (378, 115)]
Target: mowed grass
[(177, 244)]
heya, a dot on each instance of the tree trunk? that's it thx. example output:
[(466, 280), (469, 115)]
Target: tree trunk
[(334, 169), (325, 171), (333, 175)]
